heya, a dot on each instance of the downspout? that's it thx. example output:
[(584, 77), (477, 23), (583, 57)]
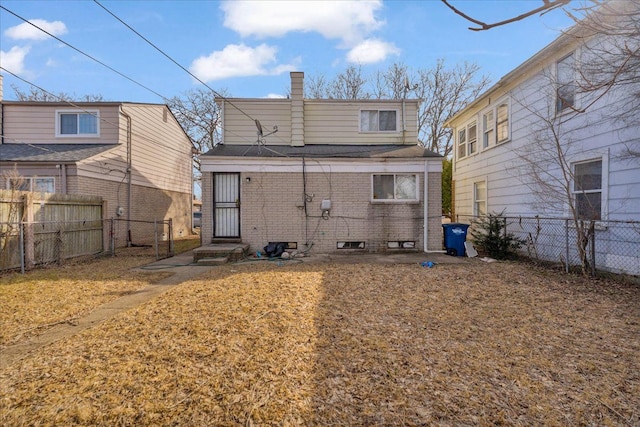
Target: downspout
[(128, 117), (425, 234)]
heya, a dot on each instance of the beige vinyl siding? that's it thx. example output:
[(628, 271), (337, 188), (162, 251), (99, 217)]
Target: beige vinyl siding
[(240, 116), (36, 123), (161, 152), (338, 122)]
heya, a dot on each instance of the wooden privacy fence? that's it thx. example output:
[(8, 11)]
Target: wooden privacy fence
[(41, 228)]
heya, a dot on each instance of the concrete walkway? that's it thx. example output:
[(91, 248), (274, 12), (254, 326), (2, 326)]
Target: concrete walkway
[(184, 269)]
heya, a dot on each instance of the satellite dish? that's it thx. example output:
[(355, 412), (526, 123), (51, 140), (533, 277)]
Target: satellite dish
[(259, 126)]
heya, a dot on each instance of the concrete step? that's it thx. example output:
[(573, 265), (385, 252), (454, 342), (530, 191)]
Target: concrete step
[(232, 251), (213, 261)]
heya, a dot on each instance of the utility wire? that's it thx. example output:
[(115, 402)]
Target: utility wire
[(85, 54), (218, 95)]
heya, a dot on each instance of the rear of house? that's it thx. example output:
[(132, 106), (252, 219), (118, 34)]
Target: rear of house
[(322, 176), (135, 156)]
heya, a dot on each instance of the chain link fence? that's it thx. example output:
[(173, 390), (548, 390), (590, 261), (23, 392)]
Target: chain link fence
[(25, 245), (610, 246)]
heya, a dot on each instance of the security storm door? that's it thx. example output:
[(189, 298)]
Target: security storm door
[(226, 205)]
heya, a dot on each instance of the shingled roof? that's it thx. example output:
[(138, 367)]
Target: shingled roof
[(50, 152), (322, 151)]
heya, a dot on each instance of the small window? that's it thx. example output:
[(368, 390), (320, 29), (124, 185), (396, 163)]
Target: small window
[(495, 125), (502, 125), (565, 84), (462, 143), (587, 189), (488, 124), (479, 198), (39, 185), (472, 133), (378, 121), (77, 124), (395, 187), (350, 245), (467, 139)]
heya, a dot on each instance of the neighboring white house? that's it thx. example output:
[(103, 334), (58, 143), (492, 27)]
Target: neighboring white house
[(510, 129), (322, 176), (538, 140)]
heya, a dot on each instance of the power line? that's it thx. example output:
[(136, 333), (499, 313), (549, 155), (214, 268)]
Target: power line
[(85, 54), (218, 95)]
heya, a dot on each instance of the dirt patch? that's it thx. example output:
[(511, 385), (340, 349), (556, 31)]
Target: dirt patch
[(361, 344)]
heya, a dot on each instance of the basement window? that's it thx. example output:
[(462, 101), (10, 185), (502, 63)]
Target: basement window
[(401, 244), (351, 245), (290, 245)]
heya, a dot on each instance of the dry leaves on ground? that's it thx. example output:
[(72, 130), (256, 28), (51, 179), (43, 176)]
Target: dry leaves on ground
[(348, 344), (36, 301)]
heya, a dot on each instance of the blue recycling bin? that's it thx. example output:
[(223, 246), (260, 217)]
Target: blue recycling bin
[(454, 237)]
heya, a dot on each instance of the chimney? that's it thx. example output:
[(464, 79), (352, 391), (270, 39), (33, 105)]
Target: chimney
[(297, 109)]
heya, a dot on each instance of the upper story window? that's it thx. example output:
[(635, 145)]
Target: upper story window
[(565, 83), (395, 187), (378, 121), (75, 123), (467, 139), (587, 189), (495, 124)]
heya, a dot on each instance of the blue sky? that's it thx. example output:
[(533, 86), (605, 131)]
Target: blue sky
[(247, 48)]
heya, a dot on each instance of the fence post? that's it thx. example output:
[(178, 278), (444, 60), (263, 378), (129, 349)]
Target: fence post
[(112, 237), (29, 242), (155, 236), (171, 253), (21, 228), (566, 244), (592, 232)]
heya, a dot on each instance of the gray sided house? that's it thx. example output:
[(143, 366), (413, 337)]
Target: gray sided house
[(135, 156), (549, 132), (322, 176)]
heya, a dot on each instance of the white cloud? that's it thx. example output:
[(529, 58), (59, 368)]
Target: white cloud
[(26, 31), (349, 21), (238, 60), (372, 51), (275, 96), (13, 60)]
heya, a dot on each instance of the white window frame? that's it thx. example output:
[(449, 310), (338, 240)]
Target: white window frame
[(477, 201), (493, 139), (562, 107), (377, 123), (415, 199), (470, 143), (602, 190), (78, 113), (31, 182)]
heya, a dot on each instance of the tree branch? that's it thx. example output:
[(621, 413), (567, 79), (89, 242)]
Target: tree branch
[(547, 5)]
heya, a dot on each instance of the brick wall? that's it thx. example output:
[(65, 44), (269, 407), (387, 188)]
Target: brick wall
[(147, 204), (273, 209)]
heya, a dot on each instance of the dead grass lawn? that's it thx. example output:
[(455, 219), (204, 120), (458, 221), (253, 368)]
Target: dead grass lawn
[(348, 344)]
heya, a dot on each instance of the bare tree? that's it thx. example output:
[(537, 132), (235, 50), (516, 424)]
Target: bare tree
[(40, 95), (199, 116), (443, 91), (316, 87), (349, 85), (604, 75)]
